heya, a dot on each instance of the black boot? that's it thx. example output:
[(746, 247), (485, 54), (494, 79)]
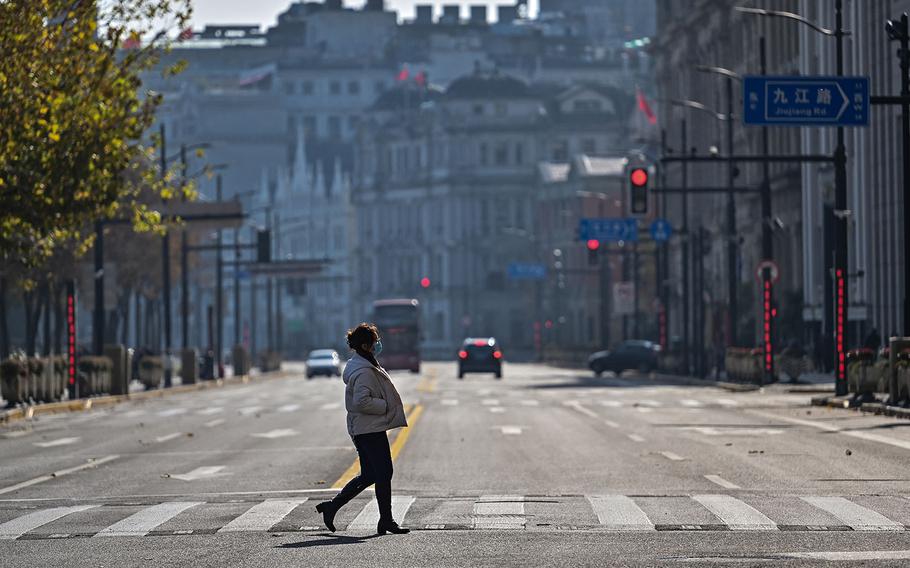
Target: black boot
[(328, 510), (390, 526)]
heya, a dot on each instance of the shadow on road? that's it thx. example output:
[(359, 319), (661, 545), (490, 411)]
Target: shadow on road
[(327, 540)]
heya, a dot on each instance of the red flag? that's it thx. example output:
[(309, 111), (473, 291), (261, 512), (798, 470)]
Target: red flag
[(186, 33), (644, 107), (132, 42), (403, 75), (421, 78)]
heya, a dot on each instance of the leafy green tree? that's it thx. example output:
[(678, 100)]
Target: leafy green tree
[(73, 119)]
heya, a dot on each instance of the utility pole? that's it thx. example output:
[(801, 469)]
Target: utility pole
[(219, 294), (732, 280), (237, 319), (767, 243), (685, 248), (184, 267), (98, 324), (663, 321), (253, 309), (842, 297), (166, 274)]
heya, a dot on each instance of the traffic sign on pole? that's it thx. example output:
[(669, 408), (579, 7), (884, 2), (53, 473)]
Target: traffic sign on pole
[(526, 271), (661, 230), (805, 101), (608, 229)]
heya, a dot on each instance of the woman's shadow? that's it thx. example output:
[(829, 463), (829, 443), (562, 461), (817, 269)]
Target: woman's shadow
[(328, 539)]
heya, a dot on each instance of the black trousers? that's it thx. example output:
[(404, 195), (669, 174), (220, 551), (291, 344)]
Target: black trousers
[(375, 468)]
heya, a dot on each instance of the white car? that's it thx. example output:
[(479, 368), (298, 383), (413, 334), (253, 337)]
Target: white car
[(323, 362)]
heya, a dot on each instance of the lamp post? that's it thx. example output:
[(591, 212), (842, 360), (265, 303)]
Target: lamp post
[(840, 320)]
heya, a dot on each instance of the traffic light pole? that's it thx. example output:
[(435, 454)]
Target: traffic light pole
[(842, 297), (166, 275), (732, 280), (219, 293), (685, 247), (767, 244)]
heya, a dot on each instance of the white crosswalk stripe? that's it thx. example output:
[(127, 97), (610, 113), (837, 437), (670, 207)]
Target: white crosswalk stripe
[(734, 513), (503, 512), (618, 512), (369, 515), (614, 512), (263, 516), (855, 516), (19, 526), (147, 519)]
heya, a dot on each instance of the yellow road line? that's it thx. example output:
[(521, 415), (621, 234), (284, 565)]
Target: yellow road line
[(428, 382), (412, 412)]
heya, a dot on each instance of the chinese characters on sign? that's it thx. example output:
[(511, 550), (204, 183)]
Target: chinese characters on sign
[(806, 101)]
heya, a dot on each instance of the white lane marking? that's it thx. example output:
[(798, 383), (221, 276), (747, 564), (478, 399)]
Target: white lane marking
[(289, 408), (167, 437), (650, 403), (855, 516), (503, 512), (718, 480), (215, 422), (250, 410), (201, 473), (58, 442), (619, 513), (369, 515), (905, 444), (611, 424), (644, 409), (450, 402), (17, 434), (672, 457), (484, 392), (737, 515), (729, 402), (845, 556), (510, 430), (529, 402), (144, 521), (711, 431), (172, 412), (210, 411), (575, 405), (263, 516), (17, 527), (279, 433), (497, 409), (490, 402), (691, 403), (611, 403), (56, 474), (134, 413), (636, 438), (330, 406)]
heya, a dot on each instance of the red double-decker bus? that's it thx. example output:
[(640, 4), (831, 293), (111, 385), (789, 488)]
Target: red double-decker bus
[(399, 325)]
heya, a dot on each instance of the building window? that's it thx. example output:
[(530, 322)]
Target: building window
[(289, 87), (501, 154), (482, 149), (561, 151), (478, 109), (309, 126), (519, 153), (335, 88), (353, 122), (589, 146), (500, 109), (354, 87), (306, 87), (335, 127), (586, 106)]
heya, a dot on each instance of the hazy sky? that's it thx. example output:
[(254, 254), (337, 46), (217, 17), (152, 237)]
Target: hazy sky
[(264, 12)]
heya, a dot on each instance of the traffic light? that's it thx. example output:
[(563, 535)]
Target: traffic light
[(264, 245), (638, 191), (593, 248), (424, 282)]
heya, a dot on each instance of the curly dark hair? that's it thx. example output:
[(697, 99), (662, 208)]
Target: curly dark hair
[(364, 334)]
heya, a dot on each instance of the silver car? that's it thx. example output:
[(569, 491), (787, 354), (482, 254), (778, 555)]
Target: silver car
[(323, 362)]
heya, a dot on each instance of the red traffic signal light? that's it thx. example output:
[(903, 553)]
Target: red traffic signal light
[(593, 244), (639, 177), (638, 191), (424, 282)]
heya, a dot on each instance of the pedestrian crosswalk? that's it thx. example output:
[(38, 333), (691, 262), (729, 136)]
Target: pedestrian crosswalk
[(603, 511)]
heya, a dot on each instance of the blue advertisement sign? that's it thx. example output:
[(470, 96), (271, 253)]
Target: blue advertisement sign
[(805, 101), (608, 229), (525, 271)]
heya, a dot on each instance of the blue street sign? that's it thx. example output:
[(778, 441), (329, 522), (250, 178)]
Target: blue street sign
[(661, 230), (524, 271), (607, 229), (806, 101)]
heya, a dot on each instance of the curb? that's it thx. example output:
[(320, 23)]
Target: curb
[(83, 404), (847, 402), (733, 387)]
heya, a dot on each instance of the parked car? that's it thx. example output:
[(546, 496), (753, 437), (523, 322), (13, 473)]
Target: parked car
[(323, 362), (480, 355), (635, 354)]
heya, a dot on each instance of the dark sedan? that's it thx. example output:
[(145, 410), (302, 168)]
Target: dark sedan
[(634, 354)]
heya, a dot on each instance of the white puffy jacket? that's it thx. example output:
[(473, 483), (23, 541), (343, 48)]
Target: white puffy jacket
[(370, 398)]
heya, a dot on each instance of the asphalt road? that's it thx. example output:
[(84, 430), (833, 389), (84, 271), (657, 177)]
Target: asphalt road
[(545, 467)]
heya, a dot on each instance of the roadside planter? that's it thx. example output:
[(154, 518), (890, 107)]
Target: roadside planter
[(151, 371), (94, 375), (32, 379), (863, 374), (903, 375), (743, 364)]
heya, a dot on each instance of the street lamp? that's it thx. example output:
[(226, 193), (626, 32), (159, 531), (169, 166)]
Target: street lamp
[(841, 304)]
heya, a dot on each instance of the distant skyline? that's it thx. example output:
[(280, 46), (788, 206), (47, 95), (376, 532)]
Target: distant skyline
[(265, 12)]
